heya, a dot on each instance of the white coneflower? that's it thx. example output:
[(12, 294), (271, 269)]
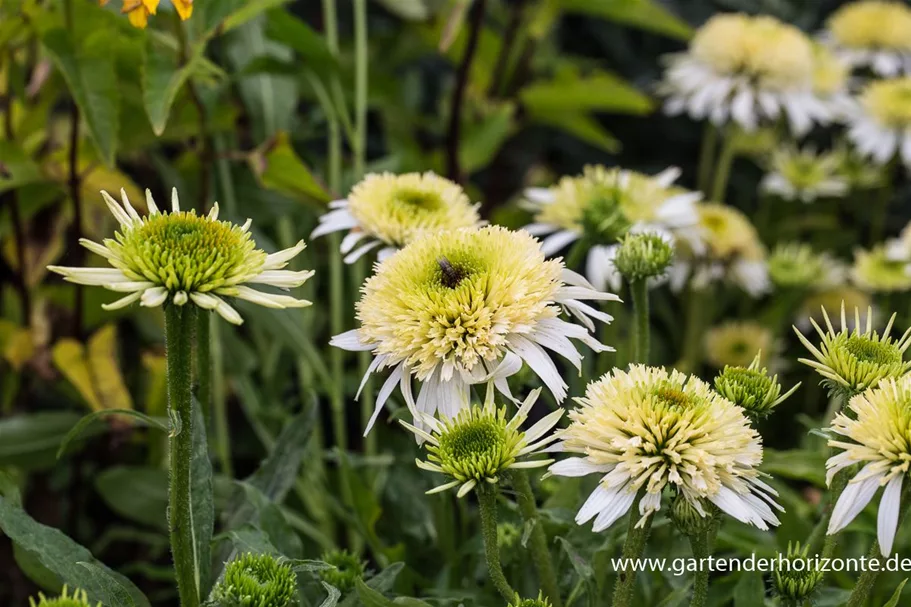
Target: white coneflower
[(899, 249), (602, 205), (878, 271), (795, 265), (738, 342), (469, 306), (873, 34), (648, 429), (389, 211), (880, 125), (877, 434), (732, 251), (179, 257), (804, 175), (856, 357), (478, 445), (832, 81), (748, 70)]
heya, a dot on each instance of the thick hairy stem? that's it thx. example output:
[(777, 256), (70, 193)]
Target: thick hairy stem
[(476, 20), (633, 548), (204, 362), (639, 290), (487, 502), (701, 544), (179, 324), (540, 553)]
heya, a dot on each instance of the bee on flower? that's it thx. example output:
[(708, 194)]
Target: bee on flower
[(872, 34), (389, 211), (468, 307), (648, 429), (600, 206), (747, 70), (180, 257)]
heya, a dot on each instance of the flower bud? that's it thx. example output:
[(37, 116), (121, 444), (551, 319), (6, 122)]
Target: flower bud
[(687, 519), (795, 577), (752, 388), (642, 256), (255, 580), (541, 601), (347, 570), (78, 599)]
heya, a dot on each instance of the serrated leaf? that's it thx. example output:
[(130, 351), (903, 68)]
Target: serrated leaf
[(68, 560), (88, 68), (86, 421), (162, 78), (643, 14), (893, 602)]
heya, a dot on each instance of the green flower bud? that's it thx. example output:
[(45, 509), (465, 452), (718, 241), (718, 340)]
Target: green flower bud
[(795, 577), (507, 536), (541, 601), (348, 569), (78, 599), (642, 256), (687, 519), (255, 580), (752, 388)]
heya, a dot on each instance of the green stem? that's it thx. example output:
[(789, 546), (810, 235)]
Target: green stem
[(699, 543), (706, 155), (487, 503), (838, 486), (632, 549), (723, 169), (540, 553), (639, 291), (179, 323), (361, 64), (220, 401), (696, 315), (204, 363)]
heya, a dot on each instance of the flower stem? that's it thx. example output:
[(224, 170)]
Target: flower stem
[(696, 305), (723, 169), (204, 363), (632, 549), (839, 482), (540, 553), (639, 291), (700, 546), (454, 132), (487, 503), (706, 155), (179, 324)]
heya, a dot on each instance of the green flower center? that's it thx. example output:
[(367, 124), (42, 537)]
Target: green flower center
[(603, 219), (419, 200), (889, 101), (256, 581), (479, 438), (866, 350), (185, 252), (672, 397), (476, 444)]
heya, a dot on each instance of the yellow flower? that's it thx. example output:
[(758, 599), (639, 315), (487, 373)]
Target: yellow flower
[(184, 8), (138, 11)]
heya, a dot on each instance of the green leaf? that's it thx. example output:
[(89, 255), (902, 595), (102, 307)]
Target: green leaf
[(409, 10), (162, 78), (750, 590), (32, 441), (250, 10), (251, 539), (202, 502), (88, 68), (72, 563), (581, 126), (370, 597), (893, 602), (796, 464), (283, 27), (137, 494), (18, 169), (598, 91), (334, 595), (643, 14), (77, 430), (483, 140), (279, 168)]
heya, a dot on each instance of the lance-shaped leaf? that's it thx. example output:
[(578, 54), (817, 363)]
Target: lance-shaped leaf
[(162, 78)]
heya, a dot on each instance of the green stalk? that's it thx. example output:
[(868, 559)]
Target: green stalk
[(179, 324), (706, 156), (696, 304), (699, 542), (839, 482), (204, 363), (632, 549), (723, 169), (540, 553), (487, 503), (639, 291)]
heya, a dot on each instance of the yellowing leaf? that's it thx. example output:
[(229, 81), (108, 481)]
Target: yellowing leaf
[(16, 344), (94, 371)]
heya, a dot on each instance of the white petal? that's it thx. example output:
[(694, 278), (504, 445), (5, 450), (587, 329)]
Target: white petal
[(131, 212), (351, 340), (279, 259), (887, 519), (154, 297), (334, 221), (852, 501), (540, 363), (555, 242), (116, 210), (150, 203), (620, 504), (361, 251), (383, 395), (175, 201), (122, 302), (269, 300), (351, 239), (228, 313), (578, 466), (285, 279)]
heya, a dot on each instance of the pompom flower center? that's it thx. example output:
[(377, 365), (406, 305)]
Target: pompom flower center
[(866, 350), (184, 252), (889, 102), (873, 25)]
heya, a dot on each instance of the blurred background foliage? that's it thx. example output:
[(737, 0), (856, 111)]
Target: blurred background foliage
[(237, 107)]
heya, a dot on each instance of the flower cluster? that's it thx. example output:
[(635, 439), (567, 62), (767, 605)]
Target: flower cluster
[(139, 11), (255, 580), (78, 598)]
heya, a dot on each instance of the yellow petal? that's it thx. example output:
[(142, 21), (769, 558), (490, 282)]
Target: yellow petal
[(184, 8), (139, 17), (151, 6)]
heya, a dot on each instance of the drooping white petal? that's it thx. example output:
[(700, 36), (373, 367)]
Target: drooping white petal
[(887, 518), (555, 242), (351, 340), (619, 505), (269, 300), (154, 297), (578, 466), (122, 302), (540, 363), (228, 313), (362, 250), (383, 395), (852, 501)]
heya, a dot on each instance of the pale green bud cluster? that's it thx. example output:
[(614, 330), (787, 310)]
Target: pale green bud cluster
[(642, 256), (255, 580), (347, 569), (541, 601), (796, 582), (79, 598), (751, 388), (798, 266)]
